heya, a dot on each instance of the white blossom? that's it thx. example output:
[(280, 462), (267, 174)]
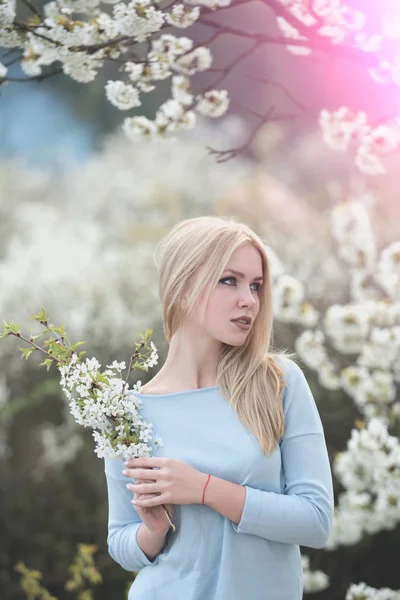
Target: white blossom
[(341, 127), (131, 22), (31, 67), (172, 116), (81, 67), (139, 128), (122, 95), (313, 581), (361, 591), (370, 471), (347, 326), (291, 32), (199, 59), (171, 45), (182, 16), (214, 103), (368, 162), (389, 261), (311, 349), (134, 71), (104, 402), (181, 90), (8, 10)]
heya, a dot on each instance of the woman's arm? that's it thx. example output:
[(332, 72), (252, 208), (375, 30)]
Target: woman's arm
[(130, 543), (151, 543), (302, 514)]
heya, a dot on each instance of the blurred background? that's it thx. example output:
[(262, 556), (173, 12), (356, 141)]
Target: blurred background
[(81, 211)]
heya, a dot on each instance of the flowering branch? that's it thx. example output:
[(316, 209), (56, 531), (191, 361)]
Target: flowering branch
[(103, 401), (82, 46)]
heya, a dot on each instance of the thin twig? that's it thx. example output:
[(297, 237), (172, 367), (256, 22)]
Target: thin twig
[(133, 357), (225, 155), (313, 39), (32, 8), (31, 29), (18, 335), (279, 86)]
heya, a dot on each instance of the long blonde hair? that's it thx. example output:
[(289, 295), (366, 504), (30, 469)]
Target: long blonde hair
[(191, 259)]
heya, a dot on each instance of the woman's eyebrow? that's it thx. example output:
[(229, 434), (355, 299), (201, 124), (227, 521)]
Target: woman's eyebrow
[(241, 274)]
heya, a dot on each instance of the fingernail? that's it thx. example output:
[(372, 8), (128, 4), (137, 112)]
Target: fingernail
[(133, 501), (124, 472), (126, 462)]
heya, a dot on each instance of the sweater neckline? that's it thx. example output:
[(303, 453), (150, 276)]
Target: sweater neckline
[(205, 389)]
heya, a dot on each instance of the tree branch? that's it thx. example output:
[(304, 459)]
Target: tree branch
[(225, 155), (281, 87), (31, 29), (313, 42), (32, 8)]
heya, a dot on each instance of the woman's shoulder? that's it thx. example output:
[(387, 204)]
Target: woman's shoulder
[(295, 382), (290, 368)]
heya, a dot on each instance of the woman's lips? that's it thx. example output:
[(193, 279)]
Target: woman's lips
[(241, 325)]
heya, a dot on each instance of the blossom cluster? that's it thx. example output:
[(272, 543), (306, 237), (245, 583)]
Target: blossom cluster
[(103, 401), (341, 23), (83, 38), (99, 310), (369, 470), (342, 127), (368, 328), (313, 581), (135, 34), (362, 591), (334, 20)]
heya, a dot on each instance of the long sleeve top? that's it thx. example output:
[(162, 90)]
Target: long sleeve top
[(288, 503)]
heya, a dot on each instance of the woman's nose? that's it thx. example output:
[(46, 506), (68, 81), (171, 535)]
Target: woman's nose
[(247, 298)]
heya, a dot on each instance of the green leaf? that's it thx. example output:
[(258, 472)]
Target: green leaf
[(26, 352), (47, 363), (77, 345), (10, 328), (33, 338), (59, 330), (41, 316)]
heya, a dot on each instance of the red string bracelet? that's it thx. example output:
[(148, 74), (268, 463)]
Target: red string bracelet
[(204, 491)]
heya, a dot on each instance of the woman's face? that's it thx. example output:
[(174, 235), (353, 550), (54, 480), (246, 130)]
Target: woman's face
[(235, 295)]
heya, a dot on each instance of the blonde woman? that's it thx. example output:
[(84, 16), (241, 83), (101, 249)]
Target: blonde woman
[(244, 469)]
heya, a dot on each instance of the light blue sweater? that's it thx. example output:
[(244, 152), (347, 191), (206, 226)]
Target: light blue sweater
[(289, 500)]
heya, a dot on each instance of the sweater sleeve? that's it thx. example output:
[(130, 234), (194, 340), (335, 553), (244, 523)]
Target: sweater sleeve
[(123, 520), (302, 514)]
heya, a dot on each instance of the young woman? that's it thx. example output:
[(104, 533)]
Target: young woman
[(244, 469)]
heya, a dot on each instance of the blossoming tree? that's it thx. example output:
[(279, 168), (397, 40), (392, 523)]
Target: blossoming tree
[(352, 346), (143, 38)]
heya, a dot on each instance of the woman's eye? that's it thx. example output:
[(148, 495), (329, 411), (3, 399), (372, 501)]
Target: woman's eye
[(228, 279), (234, 279)]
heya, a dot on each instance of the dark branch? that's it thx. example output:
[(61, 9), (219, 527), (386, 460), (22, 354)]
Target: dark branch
[(279, 86), (225, 155), (314, 41), (31, 29), (32, 8)]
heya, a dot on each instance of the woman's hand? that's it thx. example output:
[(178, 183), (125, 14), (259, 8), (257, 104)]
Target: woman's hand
[(172, 481), (153, 517)]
